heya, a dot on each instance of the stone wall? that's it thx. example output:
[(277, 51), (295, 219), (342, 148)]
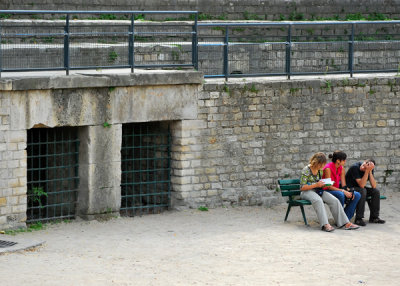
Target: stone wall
[(88, 102), (231, 142), (249, 134), (227, 9)]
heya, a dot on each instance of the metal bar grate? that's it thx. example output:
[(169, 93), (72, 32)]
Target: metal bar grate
[(52, 173), (146, 166), (4, 244)]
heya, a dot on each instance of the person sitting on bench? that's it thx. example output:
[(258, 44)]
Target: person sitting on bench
[(335, 170), (357, 177), (311, 189)]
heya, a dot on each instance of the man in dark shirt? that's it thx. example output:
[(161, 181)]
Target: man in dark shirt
[(357, 177)]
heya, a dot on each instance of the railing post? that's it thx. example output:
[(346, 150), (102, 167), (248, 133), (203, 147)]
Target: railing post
[(1, 54), (226, 51), (195, 51), (288, 51), (351, 51), (131, 44), (66, 45)]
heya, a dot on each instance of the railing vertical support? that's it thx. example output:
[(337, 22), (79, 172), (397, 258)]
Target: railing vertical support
[(351, 51), (195, 51), (288, 51), (66, 45), (226, 51), (131, 43), (1, 55)]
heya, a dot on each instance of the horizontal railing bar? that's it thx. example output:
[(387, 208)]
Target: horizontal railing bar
[(160, 66), (36, 34), (92, 12), (230, 24)]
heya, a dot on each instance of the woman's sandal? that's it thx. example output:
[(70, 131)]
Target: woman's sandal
[(350, 226), (328, 229)]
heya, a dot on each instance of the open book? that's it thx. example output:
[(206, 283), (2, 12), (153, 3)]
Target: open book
[(328, 182)]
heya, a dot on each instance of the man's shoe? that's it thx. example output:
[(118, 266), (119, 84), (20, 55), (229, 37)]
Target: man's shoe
[(376, 220), (360, 222)]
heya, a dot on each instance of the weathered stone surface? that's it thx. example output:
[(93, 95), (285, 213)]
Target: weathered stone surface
[(99, 169), (229, 145)]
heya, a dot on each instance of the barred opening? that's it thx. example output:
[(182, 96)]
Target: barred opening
[(146, 166), (53, 162)]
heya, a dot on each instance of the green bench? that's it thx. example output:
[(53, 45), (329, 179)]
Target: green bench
[(291, 188)]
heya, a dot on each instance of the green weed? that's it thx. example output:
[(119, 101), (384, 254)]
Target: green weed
[(112, 56)]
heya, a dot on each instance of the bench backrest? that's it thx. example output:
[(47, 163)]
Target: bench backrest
[(289, 187)]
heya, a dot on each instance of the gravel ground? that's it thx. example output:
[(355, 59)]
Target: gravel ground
[(223, 246)]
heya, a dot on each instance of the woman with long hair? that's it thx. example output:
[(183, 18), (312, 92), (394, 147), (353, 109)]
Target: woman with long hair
[(311, 189)]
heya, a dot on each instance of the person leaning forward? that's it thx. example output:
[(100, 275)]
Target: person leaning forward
[(357, 177)]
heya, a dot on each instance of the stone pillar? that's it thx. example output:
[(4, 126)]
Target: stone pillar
[(187, 189), (99, 171), (12, 167)]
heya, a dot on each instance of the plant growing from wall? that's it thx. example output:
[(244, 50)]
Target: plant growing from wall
[(387, 174), (226, 88), (253, 88), (328, 85), (112, 56)]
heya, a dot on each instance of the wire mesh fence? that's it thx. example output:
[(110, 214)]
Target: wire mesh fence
[(120, 39), (146, 167), (52, 164), (96, 39)]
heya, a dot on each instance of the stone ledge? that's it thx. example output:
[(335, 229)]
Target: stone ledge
[(34, 81)]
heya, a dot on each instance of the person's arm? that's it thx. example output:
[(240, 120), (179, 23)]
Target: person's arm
[(343, 178), (304, 183), (316, 185), (363, 181), (343, 182), (327, 175), (372, 180)]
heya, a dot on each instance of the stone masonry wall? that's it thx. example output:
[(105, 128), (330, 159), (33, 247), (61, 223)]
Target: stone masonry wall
[(87, 102), (231, 141), (229, 9), (12, 168), (249, 134)]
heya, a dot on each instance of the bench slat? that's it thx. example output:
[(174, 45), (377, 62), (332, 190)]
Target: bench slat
[(290, 193), (290, 187), (289, 182)]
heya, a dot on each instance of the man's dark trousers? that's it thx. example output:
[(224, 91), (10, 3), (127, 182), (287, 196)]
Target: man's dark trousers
[(373, 203)]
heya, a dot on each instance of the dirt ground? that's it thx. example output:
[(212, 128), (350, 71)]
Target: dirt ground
[(223, 246)]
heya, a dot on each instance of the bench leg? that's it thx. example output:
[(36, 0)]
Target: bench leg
[(287, 212), (304, 215)]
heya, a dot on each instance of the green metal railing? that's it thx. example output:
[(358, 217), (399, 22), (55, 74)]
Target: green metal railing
[(53, 162), (146, 167), (67, 44)]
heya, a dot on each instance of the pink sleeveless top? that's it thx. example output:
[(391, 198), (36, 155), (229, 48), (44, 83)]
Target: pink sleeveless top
[(335, 176)]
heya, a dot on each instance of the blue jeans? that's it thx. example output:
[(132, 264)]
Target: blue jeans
[(350, 207)]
